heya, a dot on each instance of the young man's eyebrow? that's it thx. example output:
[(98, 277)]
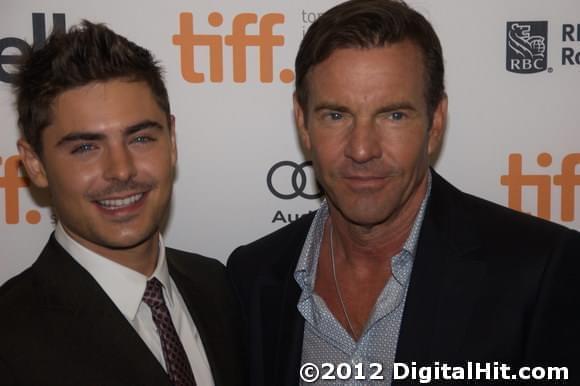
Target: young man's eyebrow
[(80, 136), (92, 136), (146, 124)]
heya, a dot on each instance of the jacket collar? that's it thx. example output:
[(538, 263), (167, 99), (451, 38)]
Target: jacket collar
[(72, 299), (279, 299), (445, 281)]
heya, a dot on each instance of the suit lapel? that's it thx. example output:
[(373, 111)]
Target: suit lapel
[(201, 310), (120, 342), (286, 336), (97, 332), (196, 288), (445, 282), (280, 295)]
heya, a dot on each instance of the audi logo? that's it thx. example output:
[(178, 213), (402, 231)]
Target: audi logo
[(298, 181)]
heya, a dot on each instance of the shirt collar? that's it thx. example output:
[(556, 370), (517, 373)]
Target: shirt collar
[(305, 272), (124, 286)]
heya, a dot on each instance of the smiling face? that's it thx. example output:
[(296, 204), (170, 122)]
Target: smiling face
[(108, 161), (367, 129)]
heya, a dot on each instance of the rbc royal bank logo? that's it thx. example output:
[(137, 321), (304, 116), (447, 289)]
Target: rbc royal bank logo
[(527, 46)]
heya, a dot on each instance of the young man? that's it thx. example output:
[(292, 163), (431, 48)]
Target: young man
[(106, 303), (397, 265)]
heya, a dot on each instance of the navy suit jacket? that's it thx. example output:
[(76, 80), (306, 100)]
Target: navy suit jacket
[(58, 327), (488, 284)]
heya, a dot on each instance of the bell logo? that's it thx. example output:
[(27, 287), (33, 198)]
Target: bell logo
[(11, 182), (239, 40), (567, 180), (16, 44)]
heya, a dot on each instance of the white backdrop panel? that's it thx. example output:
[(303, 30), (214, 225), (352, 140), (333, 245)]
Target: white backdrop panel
[(230, 134)]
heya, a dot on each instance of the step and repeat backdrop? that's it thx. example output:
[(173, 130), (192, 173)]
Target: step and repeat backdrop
[(513, 134)]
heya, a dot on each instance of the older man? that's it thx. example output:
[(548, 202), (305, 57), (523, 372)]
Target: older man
[(397, 265)]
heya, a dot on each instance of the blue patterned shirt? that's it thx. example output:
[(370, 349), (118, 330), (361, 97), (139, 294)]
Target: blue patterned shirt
[(325, 339)]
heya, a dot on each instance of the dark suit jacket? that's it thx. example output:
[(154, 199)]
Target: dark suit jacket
[(58, 327), (488, 284)]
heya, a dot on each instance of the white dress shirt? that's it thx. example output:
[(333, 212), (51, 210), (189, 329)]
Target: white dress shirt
[(126, 287)]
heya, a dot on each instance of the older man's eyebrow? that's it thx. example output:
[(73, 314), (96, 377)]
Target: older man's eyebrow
[(331, 106)]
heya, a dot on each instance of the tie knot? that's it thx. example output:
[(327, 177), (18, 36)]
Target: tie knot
[(153, 295)]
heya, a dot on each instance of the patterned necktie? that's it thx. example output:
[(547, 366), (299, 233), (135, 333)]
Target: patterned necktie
[(176, 362)]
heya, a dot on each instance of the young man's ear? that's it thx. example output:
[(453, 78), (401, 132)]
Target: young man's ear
[(300, 119), (32, 164)]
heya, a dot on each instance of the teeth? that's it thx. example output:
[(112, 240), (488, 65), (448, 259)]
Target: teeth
[(120, 203)]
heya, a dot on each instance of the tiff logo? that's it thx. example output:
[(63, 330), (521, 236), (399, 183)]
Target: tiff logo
[(527, 46), (11, 182), (9, 44), (567, 180), (239, 40)]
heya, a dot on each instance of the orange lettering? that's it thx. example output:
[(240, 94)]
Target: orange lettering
[(239, 40), (515, 181), (265, 40), (11, 182), (187, 41), (568, 181)]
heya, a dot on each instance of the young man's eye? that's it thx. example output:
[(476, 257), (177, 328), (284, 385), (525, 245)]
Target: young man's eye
[(83, 148), (143, 139)]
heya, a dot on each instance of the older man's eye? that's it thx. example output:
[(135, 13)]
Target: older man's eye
[(335, 116), (397, 116)]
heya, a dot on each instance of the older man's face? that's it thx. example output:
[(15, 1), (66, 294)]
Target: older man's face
[(366, 127)]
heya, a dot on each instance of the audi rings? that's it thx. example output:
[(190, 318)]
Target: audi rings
[(298, 180)]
